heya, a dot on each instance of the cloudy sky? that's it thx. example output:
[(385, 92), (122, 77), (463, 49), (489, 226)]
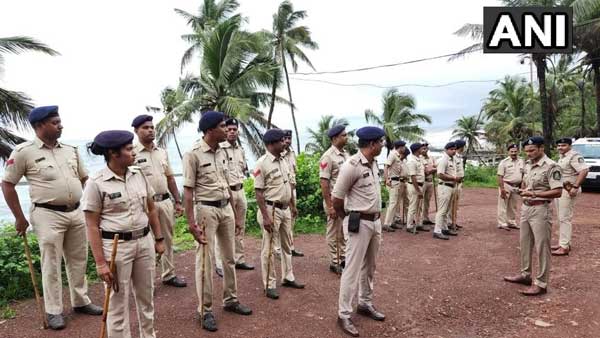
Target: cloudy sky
[(117, 56)]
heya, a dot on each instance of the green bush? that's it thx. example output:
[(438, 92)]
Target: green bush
[(481, 176)]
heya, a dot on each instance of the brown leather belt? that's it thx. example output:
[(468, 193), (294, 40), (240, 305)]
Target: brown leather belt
[(127, 236), (429, 180), (236, 187), (451, 185), (61, 208), (370, 217), (216, 204), (530, 203), (278, 205), (161, 197), (395, 179), (516, 185)]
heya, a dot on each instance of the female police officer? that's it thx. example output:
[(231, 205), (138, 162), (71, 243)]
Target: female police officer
[(118, 200)]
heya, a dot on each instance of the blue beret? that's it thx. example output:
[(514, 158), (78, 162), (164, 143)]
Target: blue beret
[(512, 145), (140, 119), (370, 133), (535, 140), (399, 143), (287, 132), (210, 119), (460, 143), (565, 140), (113, 138), (336, 130), (415, 146), (273, 135), (231, 122), (40, 113), (450, 145)]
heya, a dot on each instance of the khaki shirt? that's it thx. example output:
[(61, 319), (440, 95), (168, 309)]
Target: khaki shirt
[(155, 166), (206, 171), (460, 168), (122, 203), (416, 168), (54, 175), (236, 160), (542, 176), (274, 176), (394, 165), (571, 164), (359, 185), (290, 156), (404, 168), (511, 171), (428, 161), (330, 164), (447, 165)]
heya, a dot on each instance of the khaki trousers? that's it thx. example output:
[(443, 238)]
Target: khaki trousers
[(240, 206), (166, 215), (361, 254), (413, 200), (282, 230), (402, 208), (393, 203), (335, 238), (444, 196), (293, 223), (457, 194), (427, 195), (507, 208), (536, 226), (61, 235), (219, 225), (564, 206), (135, 264)]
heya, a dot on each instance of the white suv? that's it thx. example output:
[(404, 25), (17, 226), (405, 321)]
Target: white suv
[(589, 148)]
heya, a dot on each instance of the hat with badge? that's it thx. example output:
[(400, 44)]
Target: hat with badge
[(336, 130), (564, 140), (231, 122), (210, 120), (399, 143), (416, 146), (273, 135), (140, 119), (370, 133), (40, 113), (450, 145), (460, 143), (111, 139), (512, 145), (287, 132), (534, 140)]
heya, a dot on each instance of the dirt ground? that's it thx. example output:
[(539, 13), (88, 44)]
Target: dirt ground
[(426, 288)]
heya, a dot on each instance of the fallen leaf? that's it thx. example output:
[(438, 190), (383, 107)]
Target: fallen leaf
[(542, 323)]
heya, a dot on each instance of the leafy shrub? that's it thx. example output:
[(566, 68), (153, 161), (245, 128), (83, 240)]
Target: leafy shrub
[(482, 176)]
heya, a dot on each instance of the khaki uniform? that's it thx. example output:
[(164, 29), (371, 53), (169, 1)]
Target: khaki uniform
[(446, 165), (415, 168), (155, 166), (329, 168), (290, 157), (460, 172), (536, 220), (206, 171), (402, 208), (427, 187), (274, 177), (570, 164), (54, 177), (512, 174), (394, 165), (358, 183), (122, 205), (238, 168)]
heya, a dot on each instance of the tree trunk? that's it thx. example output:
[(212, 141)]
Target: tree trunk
[(596, 68), (177, 145), (582, 110), (273, 90), (547, 118), (287, 80)]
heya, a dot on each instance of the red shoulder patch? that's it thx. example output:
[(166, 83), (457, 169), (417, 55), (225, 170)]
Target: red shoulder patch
[(323, 165), (256, 173), (10, 161)]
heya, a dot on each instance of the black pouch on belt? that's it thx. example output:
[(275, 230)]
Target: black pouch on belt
[(353, 221)]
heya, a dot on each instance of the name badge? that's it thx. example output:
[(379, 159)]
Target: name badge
[(142, 160), (206, 165), (114, 195), (40, 159), (365, 175)]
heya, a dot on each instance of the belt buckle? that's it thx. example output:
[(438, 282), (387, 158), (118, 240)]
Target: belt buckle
[(137, 233), (223, 203), (69, 207)]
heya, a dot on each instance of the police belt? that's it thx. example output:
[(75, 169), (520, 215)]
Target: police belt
[(216, 204), (277, 205), (398, 179), (370, 217), (61, 208), (530, 203), (516, 185), (429, 180), (127, 236), (451, 185), (161, 197), (236, 187)]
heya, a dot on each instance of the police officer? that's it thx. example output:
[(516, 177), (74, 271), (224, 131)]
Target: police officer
[(446, 170), (273, 184), (541, 183), (402, 208), (391, 175), (416, 172), (290, 156), (460, 173), (238, 168), (428, 187), (329, 168), (119, 200), (358, 185), (154, 163), (510, 175), (574, 170), (56, 175), (207, 203)]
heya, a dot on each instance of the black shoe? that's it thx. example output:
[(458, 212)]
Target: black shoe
[(292, 284), (343, 264), (176, 282), (458, 226), (219, 272), (387, 228), (452, 227), (347, 326), (396, 226), (369, 311), (449, 232), (244, 266), (335, 268), (440, 236), (412, 230), (428, 223), (56, 322), (90, 309), (424, 228), (209, 323), (272, 293), (297, 253), (238, 308)]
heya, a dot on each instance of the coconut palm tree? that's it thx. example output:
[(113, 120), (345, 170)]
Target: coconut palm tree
[(15, 106), (468, 128), (288, 39), (398, 119), (320, 142)]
